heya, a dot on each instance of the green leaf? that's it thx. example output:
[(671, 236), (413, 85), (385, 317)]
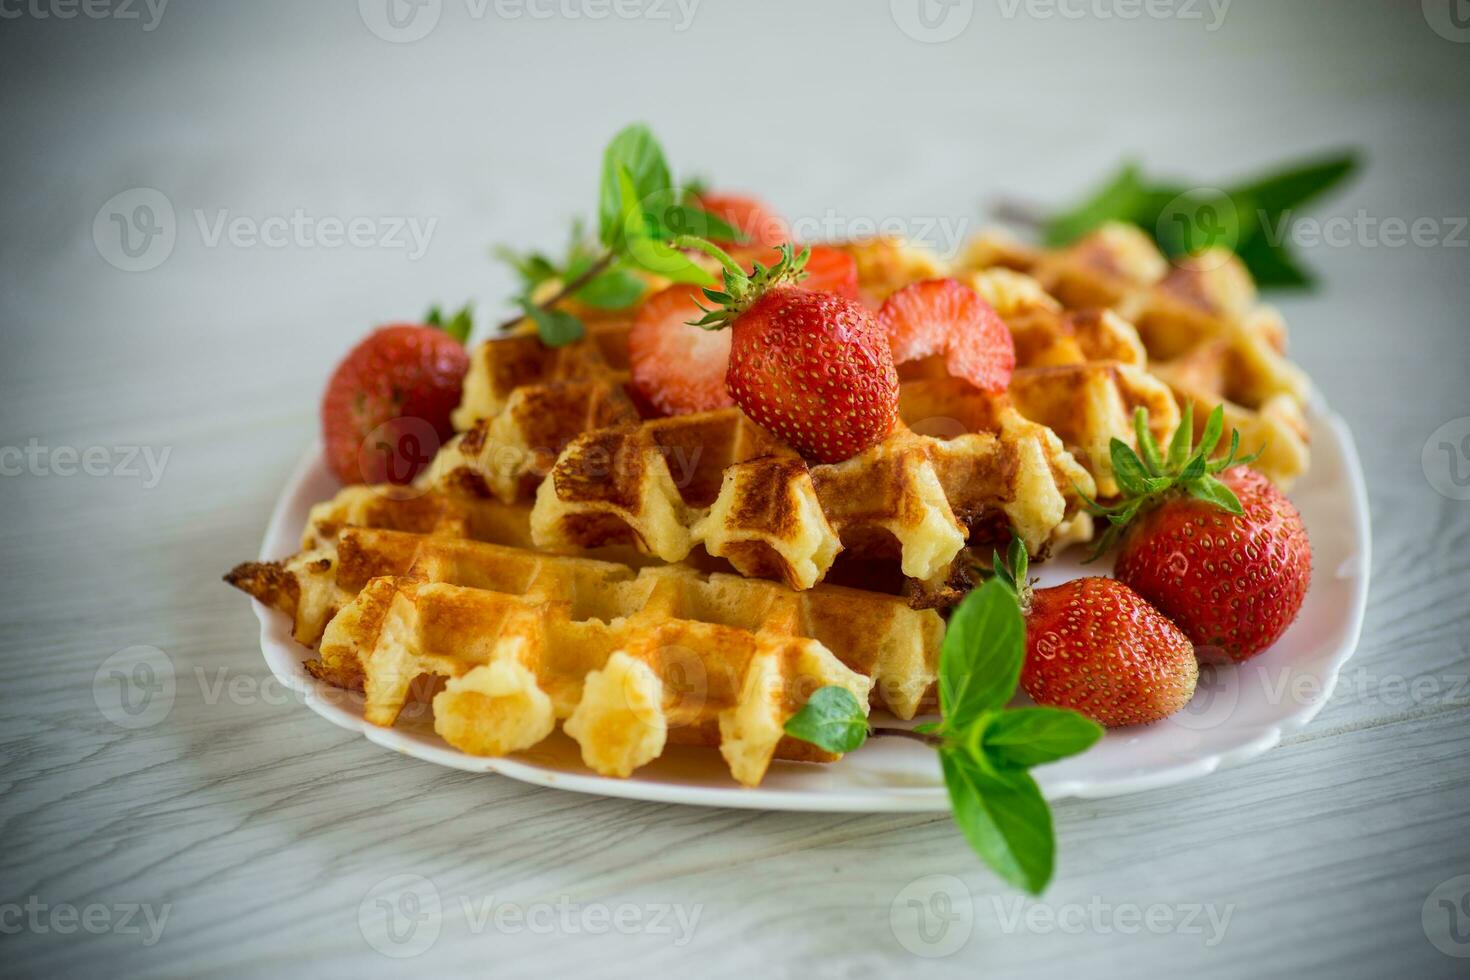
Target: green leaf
[(615, 289), (1129, 470), (557, 328), (1183, 439), (1214, 428), (532, 268), (1272, 265), (1117, 200), (650, 253), (669, 220), (1296, 184), (634, 152), (1148, 446), (832, 719), (1212, 491), (1004, 818), (980, 661), (1024, 737)]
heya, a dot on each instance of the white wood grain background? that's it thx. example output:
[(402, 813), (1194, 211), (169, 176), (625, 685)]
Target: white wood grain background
[(262, 832)]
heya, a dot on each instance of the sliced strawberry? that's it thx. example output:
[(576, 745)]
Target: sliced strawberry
[(828, 269), (942, 316), (676, 367), (756, 222)]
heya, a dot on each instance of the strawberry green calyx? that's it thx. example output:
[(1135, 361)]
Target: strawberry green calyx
[(742, 289), (1012, 570), (1148, 477)]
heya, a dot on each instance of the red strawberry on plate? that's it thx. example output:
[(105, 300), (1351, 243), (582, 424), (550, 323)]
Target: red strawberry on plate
[(748, 216), (386, 408), (943, 316), (812, 367), (1225, 557), (676, 366), (1095, 646)]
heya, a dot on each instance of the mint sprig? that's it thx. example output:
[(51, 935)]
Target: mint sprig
[(1150, 475), (1250, 216), (639, 211), (985, 749)]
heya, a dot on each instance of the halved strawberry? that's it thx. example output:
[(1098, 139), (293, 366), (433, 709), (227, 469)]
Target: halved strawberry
[(943, 316), (758, 223), (678, 368), (828, 269)]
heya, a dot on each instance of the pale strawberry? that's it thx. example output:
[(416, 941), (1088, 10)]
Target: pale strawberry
[(944, 316)]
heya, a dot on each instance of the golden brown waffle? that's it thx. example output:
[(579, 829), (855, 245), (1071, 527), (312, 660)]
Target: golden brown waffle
[(1198, 318), (312, 585), (961, 464), (631, 660), (523, 402)]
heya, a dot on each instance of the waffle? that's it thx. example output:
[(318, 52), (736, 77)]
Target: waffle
[(312, 585), (1198, 320), (960, 464), (629, 660)]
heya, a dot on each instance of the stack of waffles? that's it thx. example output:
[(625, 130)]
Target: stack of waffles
[(644, 582)]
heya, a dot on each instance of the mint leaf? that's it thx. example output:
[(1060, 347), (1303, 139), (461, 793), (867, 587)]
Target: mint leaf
[(1004, 818), (651, 253), (615, 289), (1296, 184), (1272, 265), (1023, 737), (1117, 200), (634, 152), (980, 661), (557, 328), (832, 719)]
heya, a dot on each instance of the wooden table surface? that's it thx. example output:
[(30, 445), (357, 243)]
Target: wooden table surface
[(236, 833)]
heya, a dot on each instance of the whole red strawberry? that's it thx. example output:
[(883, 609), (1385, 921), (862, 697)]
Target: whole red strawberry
[(812, 367), (386, 408), (1095, 646), (1233, 583), (1210, 542), (815, 369)]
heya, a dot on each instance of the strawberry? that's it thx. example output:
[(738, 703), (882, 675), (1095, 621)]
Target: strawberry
[(386, 408), (811, 367), (828, 269), (1095, 646), (942, 316), (750, 217), (1226, 558), (676, 366)]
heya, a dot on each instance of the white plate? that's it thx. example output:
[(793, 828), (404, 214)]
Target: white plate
[(1239, 712)]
